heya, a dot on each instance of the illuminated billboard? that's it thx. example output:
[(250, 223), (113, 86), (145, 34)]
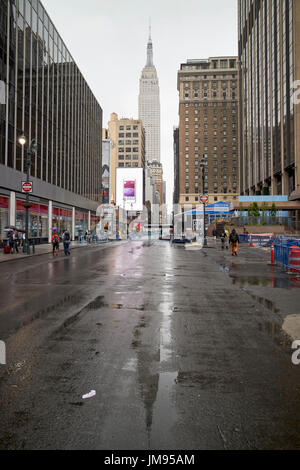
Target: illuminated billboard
[(130, 188)]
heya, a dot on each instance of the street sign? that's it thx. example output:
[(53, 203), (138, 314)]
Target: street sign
[(27, 187), (204, 199)]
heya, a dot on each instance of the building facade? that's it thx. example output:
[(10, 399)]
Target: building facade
[(176, 165), (208, 125), (269, 57), (157, 176), (149, 106), (47, 99), (106, 158), (128, 146)]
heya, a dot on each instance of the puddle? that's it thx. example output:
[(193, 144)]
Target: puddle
[(265, 302), (274, 282), (165, 333), (164, 413), (114, 306), (280, 334), (96, 304)]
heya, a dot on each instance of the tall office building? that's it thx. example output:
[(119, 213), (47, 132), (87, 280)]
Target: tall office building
[(269, 57), (149, 106), (47, 99), (128, 146), (208, 125)]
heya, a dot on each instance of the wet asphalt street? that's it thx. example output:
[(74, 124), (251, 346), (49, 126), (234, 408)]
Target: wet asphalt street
[(185, 350)]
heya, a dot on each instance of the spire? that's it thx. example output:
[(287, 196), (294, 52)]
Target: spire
[(149, 48)]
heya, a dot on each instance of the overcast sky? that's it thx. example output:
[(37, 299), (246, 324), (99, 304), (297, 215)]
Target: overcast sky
[(108, 41)]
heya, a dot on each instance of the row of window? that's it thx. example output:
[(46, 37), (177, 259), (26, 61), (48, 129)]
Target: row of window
[(214, 94), (128, 157), (128, 142), (128, 134), (128, 165), (128, 128), (128, 149)]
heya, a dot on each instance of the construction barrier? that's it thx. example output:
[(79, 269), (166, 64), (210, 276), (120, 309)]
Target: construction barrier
[(261, 239), (288, 255), (294, 259)]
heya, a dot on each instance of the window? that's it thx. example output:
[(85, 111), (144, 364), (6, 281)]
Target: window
[(135, 157), (121, 157), (121, 135), (128, 165), (121, 128), (121, 142), (128, 149), (135, 149), (128, 157), (135, 128), (128, 134), (121, 165), (121, 150), (135, 134), (128, 128)]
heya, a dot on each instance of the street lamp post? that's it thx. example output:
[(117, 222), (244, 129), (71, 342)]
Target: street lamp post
[(30, 151), (203, 166)]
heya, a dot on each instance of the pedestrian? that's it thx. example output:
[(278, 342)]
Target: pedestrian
[(234, 240), (67, 242), (214, 234), (223, 239), (16, 241), (11, 242), (55, 244)]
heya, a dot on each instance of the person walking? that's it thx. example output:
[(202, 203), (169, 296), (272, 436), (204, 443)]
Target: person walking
[(234, 240), (223, 239), (16, 241), (67, 242), (55, 244), (11, 242)]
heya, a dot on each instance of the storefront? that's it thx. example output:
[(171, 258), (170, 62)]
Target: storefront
[(61, 220), (38, 220), (81, 223), (4, 216)]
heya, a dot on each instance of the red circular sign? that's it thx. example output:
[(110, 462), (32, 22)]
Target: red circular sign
[(204, 199), (27, 187)]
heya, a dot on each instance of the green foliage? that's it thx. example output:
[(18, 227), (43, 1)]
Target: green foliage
[(273, 210), (253, 210)]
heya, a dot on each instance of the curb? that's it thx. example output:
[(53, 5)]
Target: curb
[(12, 260)]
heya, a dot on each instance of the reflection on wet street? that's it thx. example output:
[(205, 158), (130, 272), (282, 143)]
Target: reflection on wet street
[(184, 349)]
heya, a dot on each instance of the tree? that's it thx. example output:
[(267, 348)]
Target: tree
[(253, 210), (273, 210), (264, 210)]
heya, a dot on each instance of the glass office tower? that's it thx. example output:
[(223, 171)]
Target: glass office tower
[(47, 98)]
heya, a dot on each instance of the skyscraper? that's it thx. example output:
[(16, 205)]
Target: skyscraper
[(149, 106), (269, 59), (208, 125)]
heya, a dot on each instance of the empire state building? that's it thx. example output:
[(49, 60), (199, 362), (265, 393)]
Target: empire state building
[(149, 106)]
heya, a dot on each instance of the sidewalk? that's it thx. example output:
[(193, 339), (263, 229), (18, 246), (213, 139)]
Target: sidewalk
[(44, 250)]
